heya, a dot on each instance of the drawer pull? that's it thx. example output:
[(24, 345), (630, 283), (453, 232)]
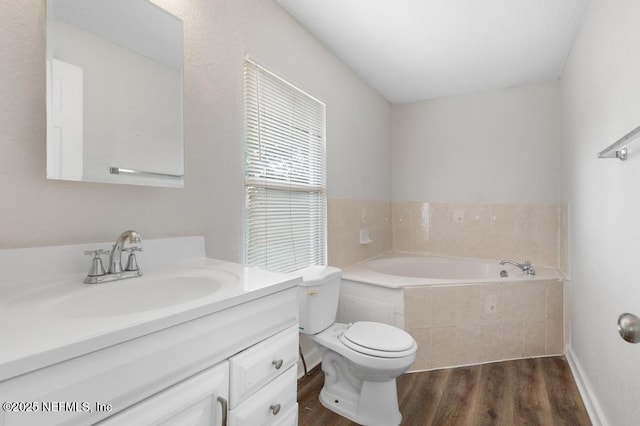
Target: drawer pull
[(277, 363), (275, 409), (225, 406)]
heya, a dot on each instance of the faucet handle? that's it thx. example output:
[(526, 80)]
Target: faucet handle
[(97, 269), (132, 263), (528, 268)]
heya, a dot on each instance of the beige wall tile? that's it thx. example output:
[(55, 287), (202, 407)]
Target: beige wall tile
[(439, 215), (445, 350), (478, 215), (524, 301), (549, 219), (492, 231), (479, 343), (534, 338), (513, 339), (417, 307), (526, 217), (424, 354), (345, 219), (524, 319), (444, 303), (563, 238), (503, 219), (469, 307), (550, 252), (554, 336), (527, 249), (555, 300), (478, 304)]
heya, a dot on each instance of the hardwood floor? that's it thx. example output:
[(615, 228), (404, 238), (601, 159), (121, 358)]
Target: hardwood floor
[(538, 391)]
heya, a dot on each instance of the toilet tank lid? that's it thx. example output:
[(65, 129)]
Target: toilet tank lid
[(318, 275)]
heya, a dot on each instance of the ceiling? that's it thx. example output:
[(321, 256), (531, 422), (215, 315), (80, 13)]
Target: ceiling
[(413, 50)]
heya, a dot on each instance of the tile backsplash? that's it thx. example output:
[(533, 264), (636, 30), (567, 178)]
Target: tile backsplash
[(346, 218), (537, 232), (532, 232)]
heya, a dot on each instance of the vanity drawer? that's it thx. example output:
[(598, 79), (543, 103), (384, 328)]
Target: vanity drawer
[(256, 366), (271, 405), (288, 418)]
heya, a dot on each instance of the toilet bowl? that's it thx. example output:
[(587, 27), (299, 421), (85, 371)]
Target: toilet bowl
[(362, 359)]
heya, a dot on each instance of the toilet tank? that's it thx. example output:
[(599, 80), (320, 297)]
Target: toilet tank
[(318, 298)]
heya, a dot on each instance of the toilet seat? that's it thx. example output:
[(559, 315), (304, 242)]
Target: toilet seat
[(379, 340)]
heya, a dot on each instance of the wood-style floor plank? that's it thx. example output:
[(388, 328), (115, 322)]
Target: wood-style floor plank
[(418, 394), (495, 405), (538, 391), (456, 406), (531, 404), (567, 407)]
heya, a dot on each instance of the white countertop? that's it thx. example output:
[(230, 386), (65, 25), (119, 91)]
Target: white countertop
[(36, 332)]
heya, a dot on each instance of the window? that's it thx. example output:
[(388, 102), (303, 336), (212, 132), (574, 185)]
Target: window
[(285, 184)]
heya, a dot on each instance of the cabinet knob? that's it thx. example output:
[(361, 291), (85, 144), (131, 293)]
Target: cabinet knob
[(277, 363), (275, 409)]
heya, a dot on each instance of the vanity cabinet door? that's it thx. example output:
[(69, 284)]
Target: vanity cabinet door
[(197, 401)]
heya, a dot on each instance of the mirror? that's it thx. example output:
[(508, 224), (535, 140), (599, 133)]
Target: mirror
[(114, 93)]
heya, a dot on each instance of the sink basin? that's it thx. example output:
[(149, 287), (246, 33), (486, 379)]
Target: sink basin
[(136, 295), (129, 296)]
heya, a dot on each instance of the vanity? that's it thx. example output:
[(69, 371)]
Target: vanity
[(192, 341)]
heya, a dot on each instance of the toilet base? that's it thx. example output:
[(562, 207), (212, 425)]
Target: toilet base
[(361, 401)]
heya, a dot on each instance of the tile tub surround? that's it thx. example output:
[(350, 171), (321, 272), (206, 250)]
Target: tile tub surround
[(479, 323), (345, 218), (535, 232)]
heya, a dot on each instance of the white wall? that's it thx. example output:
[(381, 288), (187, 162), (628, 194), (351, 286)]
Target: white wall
[(218, 35), (496, 146), (601, 102)]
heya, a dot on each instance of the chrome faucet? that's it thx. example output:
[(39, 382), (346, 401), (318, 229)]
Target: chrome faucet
[(115, 258), (526, 267), (97, 274)]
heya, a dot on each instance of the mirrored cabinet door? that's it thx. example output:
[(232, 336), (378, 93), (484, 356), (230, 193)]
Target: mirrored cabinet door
[(114, 92)]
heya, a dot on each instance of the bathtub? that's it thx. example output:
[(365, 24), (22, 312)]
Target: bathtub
[(398, 270), (460, 311)]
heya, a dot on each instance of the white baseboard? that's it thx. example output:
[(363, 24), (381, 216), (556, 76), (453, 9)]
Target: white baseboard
[(586, 390)]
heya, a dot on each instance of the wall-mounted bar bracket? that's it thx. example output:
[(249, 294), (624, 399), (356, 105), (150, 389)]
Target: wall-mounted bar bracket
[(614, 150)]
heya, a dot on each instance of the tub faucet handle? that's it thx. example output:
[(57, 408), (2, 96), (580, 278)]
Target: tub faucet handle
[(526, 267)]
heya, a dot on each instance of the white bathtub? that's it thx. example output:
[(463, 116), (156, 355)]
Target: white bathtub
[(397, 270)]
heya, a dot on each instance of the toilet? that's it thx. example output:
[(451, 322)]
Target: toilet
[(362, 359)]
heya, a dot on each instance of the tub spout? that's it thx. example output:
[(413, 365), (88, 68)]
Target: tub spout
[(526, 267)]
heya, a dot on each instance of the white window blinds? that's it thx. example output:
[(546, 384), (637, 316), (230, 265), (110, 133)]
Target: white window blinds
[(284, 174)]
